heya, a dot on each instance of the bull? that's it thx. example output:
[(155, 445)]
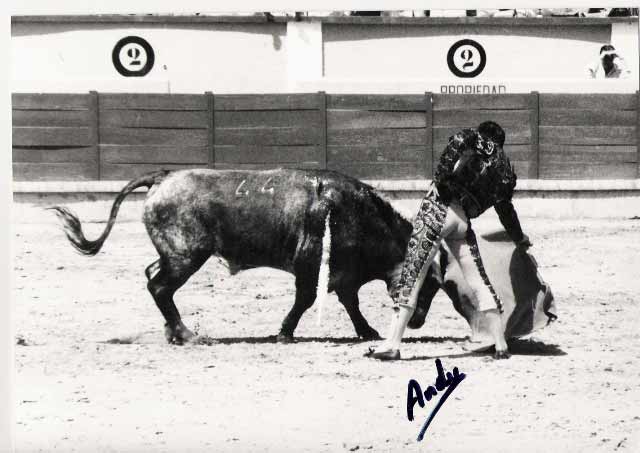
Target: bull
[(277, 218), (332, 232)]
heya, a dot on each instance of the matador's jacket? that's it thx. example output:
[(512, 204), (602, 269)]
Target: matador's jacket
[(474, 172)]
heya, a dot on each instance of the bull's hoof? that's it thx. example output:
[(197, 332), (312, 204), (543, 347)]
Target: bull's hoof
[(500, 355), (178, 335), (418, 319), (285, 338), (370, 335)]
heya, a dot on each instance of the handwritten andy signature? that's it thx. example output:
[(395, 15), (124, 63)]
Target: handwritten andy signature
[(415, 394)]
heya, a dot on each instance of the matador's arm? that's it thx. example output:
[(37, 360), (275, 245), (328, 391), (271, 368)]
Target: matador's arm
[(509, 219)]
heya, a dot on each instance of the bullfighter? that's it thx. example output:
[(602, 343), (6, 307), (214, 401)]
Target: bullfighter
[(473, 174)]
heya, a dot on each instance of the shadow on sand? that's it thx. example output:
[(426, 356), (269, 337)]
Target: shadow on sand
[(206, 340), (516, 347), (272, 339)]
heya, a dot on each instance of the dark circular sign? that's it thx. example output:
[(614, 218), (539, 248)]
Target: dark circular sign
[(133, 56), (466, 58)]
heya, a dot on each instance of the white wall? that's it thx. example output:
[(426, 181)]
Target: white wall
[(519, 58), (189, 58), (300, 56)]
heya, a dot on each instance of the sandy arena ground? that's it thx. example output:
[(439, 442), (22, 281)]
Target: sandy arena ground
[(94, 372)]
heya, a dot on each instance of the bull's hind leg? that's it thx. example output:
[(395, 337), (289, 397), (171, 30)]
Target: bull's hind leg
[(152, 269), (349, 298), (163, 285)]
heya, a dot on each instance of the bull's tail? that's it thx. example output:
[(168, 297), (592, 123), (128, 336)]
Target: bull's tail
[(322, 291), (73, 228)]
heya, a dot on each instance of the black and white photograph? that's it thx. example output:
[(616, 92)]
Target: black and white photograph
[(294, 228)]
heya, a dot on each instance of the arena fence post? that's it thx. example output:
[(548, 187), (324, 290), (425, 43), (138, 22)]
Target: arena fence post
[(428, 109), (322, 108), (534, 124), (211, 128), (94, 127), (637, 133)]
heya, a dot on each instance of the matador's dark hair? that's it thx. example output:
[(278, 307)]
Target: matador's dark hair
[(492, 131)]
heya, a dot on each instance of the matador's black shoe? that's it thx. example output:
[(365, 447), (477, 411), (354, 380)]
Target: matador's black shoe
[(389, 354)]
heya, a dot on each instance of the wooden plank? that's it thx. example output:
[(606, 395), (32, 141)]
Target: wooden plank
[(534, 127), (94, 127), (266, 118), (266, 154), (514, 136), (211, 129), (381, 170), (322, 153), (600, 101), (598, 154), (171, 119), (582, 117), (520, 152), (51, 136), (365, 153), (428, 135), (271, 166), (50, 118), (112, 171), (154, 154), (181, 137), (54, 171), (472, 118), (278, 136), (49, 101), (588, 135), (145, 101), (480, 101), (410, 102), (515, 153), (587, 171), (377, 137), (301, 101), (360, 119), (638, 130), (69, 155), (525, 169)]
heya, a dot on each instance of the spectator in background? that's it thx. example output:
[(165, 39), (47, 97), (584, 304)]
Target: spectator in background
[(329, 13), (569, 12), (597, 12), (621, 12), (507, 13), (610, 65), (365, 13), (404, 13)]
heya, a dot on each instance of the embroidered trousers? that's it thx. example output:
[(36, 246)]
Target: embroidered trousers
[(434, 223)]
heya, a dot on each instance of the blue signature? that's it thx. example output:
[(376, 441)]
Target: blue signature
[(415, 394)]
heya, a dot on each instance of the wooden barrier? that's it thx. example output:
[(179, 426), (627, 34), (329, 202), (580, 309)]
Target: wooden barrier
[(143, 132), (377, 137), (588, 136), (53, 137), (268, 131)]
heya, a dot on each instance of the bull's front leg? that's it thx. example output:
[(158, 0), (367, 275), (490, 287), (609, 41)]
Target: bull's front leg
[(349, 298), (306, 283)]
